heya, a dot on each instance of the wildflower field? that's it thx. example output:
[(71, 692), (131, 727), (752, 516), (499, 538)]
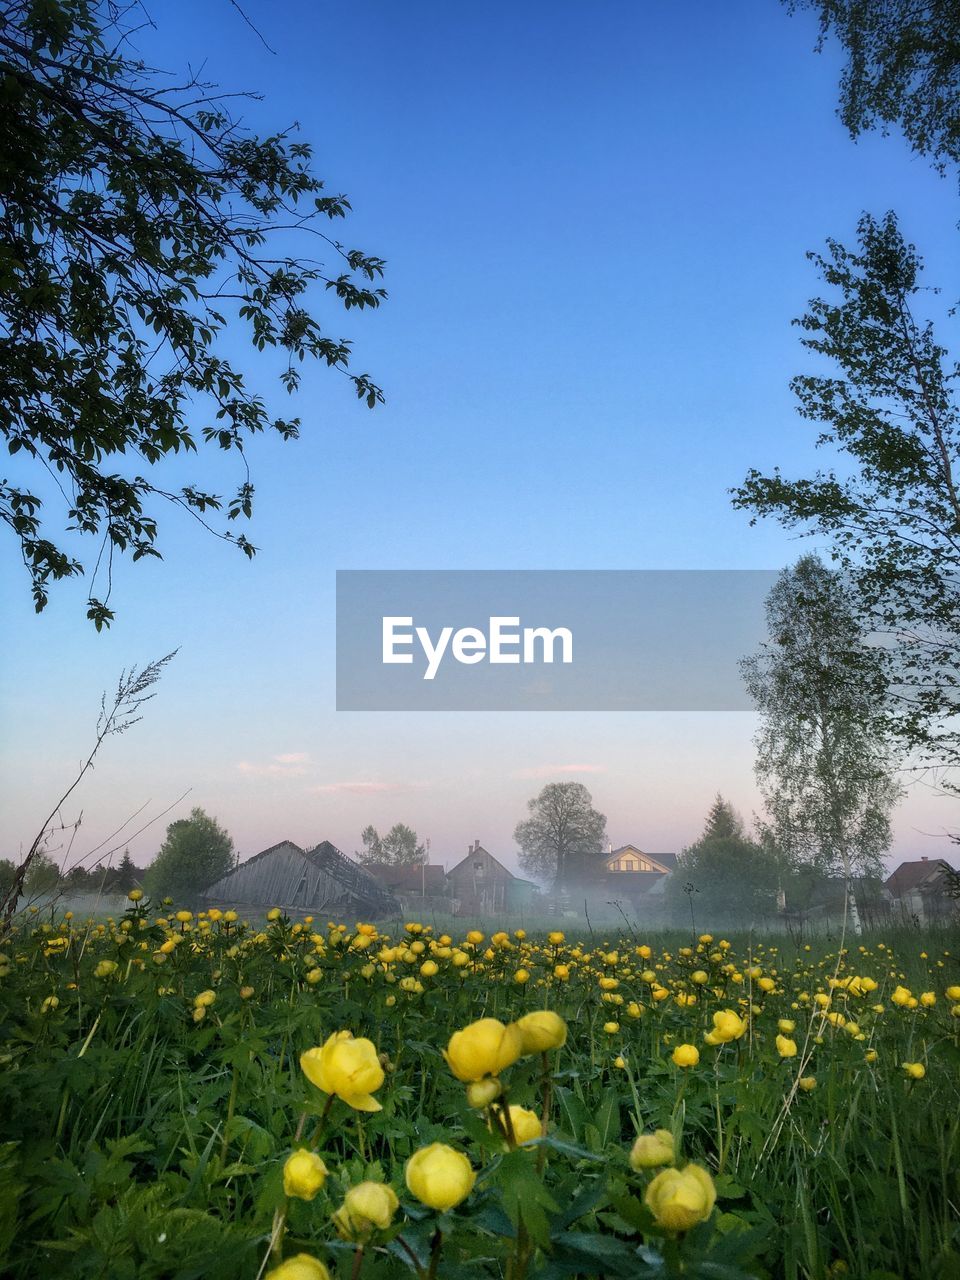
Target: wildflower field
[(195, 1096)]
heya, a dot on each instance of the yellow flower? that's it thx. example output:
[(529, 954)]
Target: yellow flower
[(480, 1093), (439, 1176), (611, 1028), (429, 969), (346, 1067), (786, 1048), (135, 895), (787, 1026), (953, 994), (300, 1267), (680, 1198), (727, 1026), (700, 977), (928, 999), (105, 968), (685, 1055), (652, 1149), (807, 1083), (205, 999), (901, 996), (555, 938), (870, 1055), (484, 1048), (366, 1208), (915, 1070), (49, 1004), (522, 976), (184, 916), (274, 913), (525, 1124), (303, 1174), (541, 1031)]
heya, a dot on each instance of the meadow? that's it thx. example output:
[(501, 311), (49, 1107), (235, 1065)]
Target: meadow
[(197, 1096)]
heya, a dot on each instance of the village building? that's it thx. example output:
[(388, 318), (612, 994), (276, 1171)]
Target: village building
[(482, 885), (922, 888), (321, 880), (630, 872)]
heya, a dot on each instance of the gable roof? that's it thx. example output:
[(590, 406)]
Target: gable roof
[(914, 875), (412, 877), (508, 875), (666, 860), (275, 876)]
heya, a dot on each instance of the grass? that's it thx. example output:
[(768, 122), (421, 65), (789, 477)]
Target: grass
[(141, 1139)]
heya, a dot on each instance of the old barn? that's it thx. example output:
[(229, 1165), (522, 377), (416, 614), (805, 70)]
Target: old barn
[(318, 880)]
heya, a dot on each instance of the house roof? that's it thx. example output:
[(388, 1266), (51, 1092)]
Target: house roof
[(410, 877), (326, 857), (508, 875), (913, 875), (666, 860)]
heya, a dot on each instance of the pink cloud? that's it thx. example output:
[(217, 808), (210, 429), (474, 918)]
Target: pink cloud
[(549, 770), (279, 769), (360, 788)]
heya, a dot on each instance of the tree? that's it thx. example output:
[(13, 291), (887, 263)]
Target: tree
[(825, 764), (42, 878), (725, 877), (892, 509), (195, 854), (126, 875), (723, 821), (903, 69), (562, 840), (138, 219), (398, 848)]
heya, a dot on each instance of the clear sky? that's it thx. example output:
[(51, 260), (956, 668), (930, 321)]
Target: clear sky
[(595, 219)]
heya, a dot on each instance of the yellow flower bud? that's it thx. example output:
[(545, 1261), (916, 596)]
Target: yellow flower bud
[(807, 1083), (680, 1198), (439, 1176), (541, 1031), (685, 1055), (484, 1048), (303, 1174), (786, 1048), (652, 1149), (522, 976), (105, 969), (346, 1067), (480, 1093), (204, 999), (274, 913), (525, 1124), (366, 1208), (135, 895), (300, 1267), (915, 1070)]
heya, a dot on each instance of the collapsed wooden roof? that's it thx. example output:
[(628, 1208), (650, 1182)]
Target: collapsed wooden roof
[(321, 879)]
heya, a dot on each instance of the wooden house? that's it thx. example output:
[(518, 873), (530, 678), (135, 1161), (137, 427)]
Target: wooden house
[(629, 872), (482, 885), (307, 881), (922, 887)]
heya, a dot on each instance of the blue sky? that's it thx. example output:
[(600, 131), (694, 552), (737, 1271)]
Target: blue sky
[(595, 220)]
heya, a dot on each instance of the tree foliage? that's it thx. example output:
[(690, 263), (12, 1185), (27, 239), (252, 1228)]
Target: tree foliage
[(398, 848), (562, 840), (825, 764), (891, 507), (196, 853), (138, 219), (903, 69), (725, 877)]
